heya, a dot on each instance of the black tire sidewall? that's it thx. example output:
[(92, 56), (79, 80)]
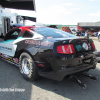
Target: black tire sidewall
[(32, 75)]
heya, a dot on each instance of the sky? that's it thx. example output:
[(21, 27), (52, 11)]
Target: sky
[(65, 12)]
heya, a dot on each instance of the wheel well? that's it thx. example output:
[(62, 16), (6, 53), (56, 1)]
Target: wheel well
[(21, 51)]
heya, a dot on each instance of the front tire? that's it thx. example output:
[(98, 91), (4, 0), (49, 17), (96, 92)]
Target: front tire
[(28, 67)]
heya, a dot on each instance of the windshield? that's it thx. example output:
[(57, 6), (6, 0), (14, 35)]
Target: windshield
[(53, 33)]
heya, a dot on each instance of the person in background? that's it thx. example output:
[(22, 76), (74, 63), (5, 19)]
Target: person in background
[(83, 33), (96, 34), (78, 33), (87, 34)]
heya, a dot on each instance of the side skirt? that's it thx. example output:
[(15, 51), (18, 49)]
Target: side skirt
[(10, 59)]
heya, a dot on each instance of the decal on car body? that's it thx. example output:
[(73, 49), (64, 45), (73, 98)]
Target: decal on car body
[(79, 47), (32, 42), (9, 58), (46, 43), (8, 49)]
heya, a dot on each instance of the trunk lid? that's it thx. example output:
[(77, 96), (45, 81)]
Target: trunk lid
[(80, 44)]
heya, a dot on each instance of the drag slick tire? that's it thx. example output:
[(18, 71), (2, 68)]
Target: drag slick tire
[(28, 67)]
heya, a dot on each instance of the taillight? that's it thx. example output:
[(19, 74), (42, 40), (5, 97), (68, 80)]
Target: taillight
[(66, 49), (93, 46)]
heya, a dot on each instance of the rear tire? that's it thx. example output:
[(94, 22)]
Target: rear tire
[(28, 67)]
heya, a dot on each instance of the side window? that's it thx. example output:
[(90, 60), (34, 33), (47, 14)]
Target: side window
[(13, 34), (27, 34)]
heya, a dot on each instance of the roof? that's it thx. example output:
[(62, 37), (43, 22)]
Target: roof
[(18, 4)]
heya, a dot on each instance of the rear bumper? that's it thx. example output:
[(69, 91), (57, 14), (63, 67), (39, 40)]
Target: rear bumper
[(60, 74)]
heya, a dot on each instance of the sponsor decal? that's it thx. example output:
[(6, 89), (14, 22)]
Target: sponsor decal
[(9, 58), (15, 60), (32, 42), (49, 37), (46, 43), (79, 47), (89, 46), (5, 48), (85, 46), (4, 56)]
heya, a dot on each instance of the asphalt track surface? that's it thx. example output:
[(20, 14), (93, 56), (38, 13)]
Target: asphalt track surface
[(45, 89)]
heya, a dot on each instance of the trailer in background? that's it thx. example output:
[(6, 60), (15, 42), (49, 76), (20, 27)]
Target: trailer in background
[(8, 19), (92, 27)]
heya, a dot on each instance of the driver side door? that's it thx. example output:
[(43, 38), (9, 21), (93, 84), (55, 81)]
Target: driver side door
[(7, 46)]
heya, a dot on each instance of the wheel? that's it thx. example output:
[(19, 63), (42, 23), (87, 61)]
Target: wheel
[(28, 67), (99, 38)]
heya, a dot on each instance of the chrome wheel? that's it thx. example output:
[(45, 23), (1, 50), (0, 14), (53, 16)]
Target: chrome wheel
[(28, 67), (25, 65)]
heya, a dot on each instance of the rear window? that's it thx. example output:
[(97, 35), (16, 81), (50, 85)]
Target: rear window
[(53, 33)]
